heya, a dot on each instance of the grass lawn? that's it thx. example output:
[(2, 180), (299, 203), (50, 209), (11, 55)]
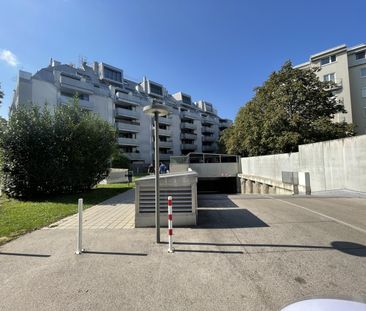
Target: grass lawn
[(19, 217)]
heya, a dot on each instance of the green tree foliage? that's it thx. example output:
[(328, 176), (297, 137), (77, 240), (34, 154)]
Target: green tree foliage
[(292, 107), (66, 151), (119, 160), (1, 95)]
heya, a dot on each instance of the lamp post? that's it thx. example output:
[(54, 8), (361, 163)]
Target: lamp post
[(156, 110)]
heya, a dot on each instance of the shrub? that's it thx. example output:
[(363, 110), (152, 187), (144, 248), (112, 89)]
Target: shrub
[(66, 151), (119, 160)]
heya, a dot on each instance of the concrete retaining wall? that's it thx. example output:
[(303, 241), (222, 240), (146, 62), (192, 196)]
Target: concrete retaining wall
[(270, 166), (335, 164)]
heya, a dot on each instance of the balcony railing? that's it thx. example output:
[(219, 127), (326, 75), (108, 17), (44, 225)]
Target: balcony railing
[(208, 148), (188, 136), (188, 146), (165, 156), (208, 120), (337, 84), (129, 98), (127, 113), (127, 141), (208, 138), (85, 104), (76, 85), (129, 127), (133, 155), (189, 115), (166, 144), (186, 125), (165, 132), (206, 129), (224, 124), (166, 120)]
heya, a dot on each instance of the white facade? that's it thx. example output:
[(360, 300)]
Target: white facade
[(190, 127), (347, 68)]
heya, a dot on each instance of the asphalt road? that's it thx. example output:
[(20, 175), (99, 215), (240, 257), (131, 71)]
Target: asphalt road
[(248, 253)]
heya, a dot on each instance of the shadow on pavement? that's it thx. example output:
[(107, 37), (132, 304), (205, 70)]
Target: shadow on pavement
[(206, 251), (231, 218), (255, 245), (350, 248), (24, 255), (113, 253)]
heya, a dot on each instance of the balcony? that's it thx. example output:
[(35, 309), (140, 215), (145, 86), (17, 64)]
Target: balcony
[(130, 99), (337, 84), (188, 115), (133, 155), (186, 125), (165, 144), (128, 127), (85, 104), (165, 132), (208, 148), (208, 139), (127, 113), (208, 120), (127, 141), (188, 136), (224, 124), (206, 129), (75, 85), (188, 147), (167, 120), (165, 156)]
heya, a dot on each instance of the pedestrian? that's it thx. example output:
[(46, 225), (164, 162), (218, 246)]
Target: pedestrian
[(162, 168), (150, 169)]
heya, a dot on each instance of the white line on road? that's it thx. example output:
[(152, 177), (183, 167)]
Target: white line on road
[(323, 215)]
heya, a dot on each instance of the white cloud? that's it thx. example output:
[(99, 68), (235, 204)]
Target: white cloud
[(9, 57)]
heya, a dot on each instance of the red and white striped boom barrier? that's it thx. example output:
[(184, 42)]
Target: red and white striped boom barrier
[(170, 225)]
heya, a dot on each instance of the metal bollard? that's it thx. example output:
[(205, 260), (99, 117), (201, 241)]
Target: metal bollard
[(170, 225), (79, 247)]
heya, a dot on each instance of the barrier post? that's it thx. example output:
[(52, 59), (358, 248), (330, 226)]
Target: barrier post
[(79, 247), (170, 225)]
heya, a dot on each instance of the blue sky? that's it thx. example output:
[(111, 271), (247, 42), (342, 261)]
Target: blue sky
[(213, 50)]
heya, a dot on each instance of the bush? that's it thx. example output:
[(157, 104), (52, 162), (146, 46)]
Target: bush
[(64, 152), (119, 160)]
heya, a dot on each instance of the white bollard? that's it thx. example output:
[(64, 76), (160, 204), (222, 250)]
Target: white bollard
[(79, 247), (170, 225)]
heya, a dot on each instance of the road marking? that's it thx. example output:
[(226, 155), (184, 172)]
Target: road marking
[(323, 215)]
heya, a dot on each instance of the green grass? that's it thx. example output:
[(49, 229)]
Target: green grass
[(19, 217)]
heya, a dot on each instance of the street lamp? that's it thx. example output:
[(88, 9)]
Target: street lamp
[(155, 110)]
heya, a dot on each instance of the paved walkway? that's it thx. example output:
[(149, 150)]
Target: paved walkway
[(115, 213)]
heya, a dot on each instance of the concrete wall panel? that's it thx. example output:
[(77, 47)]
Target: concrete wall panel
[(335, 164)]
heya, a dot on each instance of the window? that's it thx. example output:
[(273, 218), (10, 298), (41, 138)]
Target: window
[(329, 77), (363, 72), (186, 99), (112, 74), (328, 60), (360, 55), (156, 89), (364, 92)]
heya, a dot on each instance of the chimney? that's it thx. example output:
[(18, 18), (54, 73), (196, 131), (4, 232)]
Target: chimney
[(55, 63), (96, 67)]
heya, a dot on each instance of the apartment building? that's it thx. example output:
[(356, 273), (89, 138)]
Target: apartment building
[(103, 89), (347, 68)]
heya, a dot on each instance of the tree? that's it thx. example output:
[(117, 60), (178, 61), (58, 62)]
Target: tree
[(66, 151), (119, 160), (292, 107), (1, 95)]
